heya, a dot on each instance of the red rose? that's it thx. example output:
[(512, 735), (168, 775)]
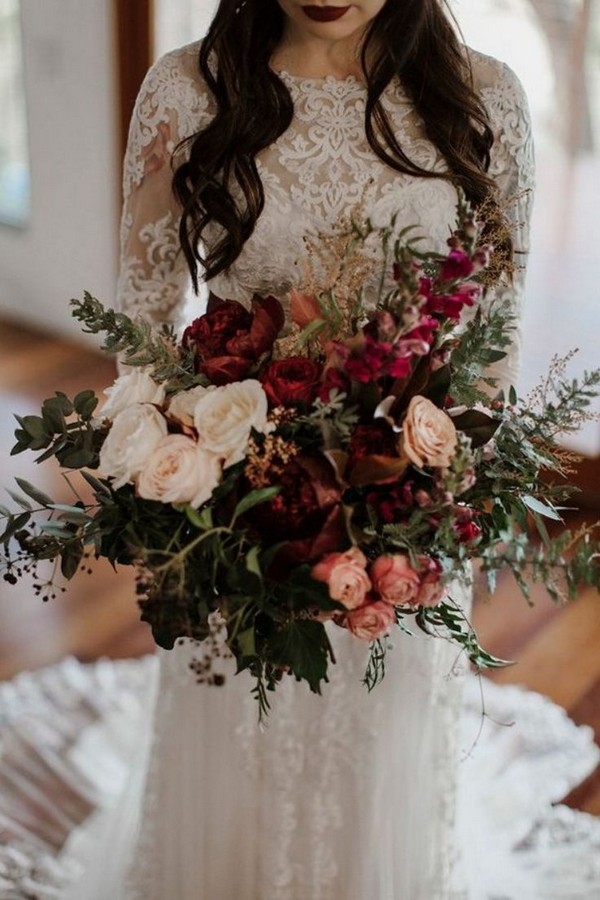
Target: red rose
[(292, 382), (228, 340)]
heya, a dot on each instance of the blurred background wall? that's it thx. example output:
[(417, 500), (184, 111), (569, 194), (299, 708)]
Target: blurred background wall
[(67, 241)]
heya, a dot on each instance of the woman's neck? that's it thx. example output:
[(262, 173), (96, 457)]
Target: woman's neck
[(313, 58)]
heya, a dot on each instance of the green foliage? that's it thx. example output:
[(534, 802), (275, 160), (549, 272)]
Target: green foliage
[(483, 341), (139, 343)]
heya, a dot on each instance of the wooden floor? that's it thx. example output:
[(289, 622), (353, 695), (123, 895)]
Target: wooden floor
[(557, 650)]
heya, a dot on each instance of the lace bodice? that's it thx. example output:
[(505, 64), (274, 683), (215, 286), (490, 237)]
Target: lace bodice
[(321, 172)]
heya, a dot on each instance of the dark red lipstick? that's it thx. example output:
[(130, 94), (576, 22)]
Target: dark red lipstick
[(325, 13)]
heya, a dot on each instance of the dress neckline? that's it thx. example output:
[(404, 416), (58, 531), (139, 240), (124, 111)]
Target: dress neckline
[(324, 80)]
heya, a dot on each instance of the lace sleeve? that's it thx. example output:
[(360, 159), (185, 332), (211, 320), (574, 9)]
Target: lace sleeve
[(512, 166), (154, 279)]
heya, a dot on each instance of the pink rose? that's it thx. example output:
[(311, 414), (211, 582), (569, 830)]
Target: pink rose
[(371, 621), (395, 580), (345, 576), (431, 590)]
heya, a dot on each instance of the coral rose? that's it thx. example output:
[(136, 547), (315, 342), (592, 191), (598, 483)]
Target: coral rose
[(179, 471), (345, 576), (395, 580), (371, 621), (428, 434)]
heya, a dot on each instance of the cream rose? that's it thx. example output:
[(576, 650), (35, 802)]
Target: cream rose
[(179, 471), (134, 387), (345, 576), (225, 416), (428, 435), (130, 442), (182, 406)]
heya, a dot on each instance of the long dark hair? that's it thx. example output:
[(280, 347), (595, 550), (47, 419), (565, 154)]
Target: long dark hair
[(411, 39)]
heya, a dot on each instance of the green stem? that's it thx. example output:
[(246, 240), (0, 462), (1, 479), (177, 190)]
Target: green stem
[(179, 557)]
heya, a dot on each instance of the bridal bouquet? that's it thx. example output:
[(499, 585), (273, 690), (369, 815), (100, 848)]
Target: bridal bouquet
[(265, 484)]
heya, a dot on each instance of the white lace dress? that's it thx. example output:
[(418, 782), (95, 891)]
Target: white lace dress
[(128, 780)]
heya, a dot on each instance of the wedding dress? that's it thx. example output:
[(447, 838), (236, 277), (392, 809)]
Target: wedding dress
[(128, 780)]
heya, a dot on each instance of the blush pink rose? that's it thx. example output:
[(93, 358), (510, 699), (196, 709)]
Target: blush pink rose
[(371, 620), (428, 434), (395, 580), (345, 576)]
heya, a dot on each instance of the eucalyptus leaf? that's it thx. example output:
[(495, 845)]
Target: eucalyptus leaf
[(543, 509), (15, 524), (33, 492), (21, 501)]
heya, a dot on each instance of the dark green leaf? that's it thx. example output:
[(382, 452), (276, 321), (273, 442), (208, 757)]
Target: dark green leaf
[(246, 641), (253, 499), (99, 486), (85, 404), (54, 420), (303, 646), (34, 426), (70, 558), (76, 459)]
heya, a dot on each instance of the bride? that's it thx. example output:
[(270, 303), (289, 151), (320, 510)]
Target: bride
[(286, 122)]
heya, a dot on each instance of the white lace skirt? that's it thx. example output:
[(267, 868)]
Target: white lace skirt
[(346, 796)]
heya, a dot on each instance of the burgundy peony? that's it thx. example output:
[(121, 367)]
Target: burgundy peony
[(293, 381), (376, 439), (228, 340), (307, 513), (393, 504)]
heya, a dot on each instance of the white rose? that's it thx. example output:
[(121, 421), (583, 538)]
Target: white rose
[(131, 440), (225, 416), (182, 406), (135, 387), (179, 471), (428, 434)]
